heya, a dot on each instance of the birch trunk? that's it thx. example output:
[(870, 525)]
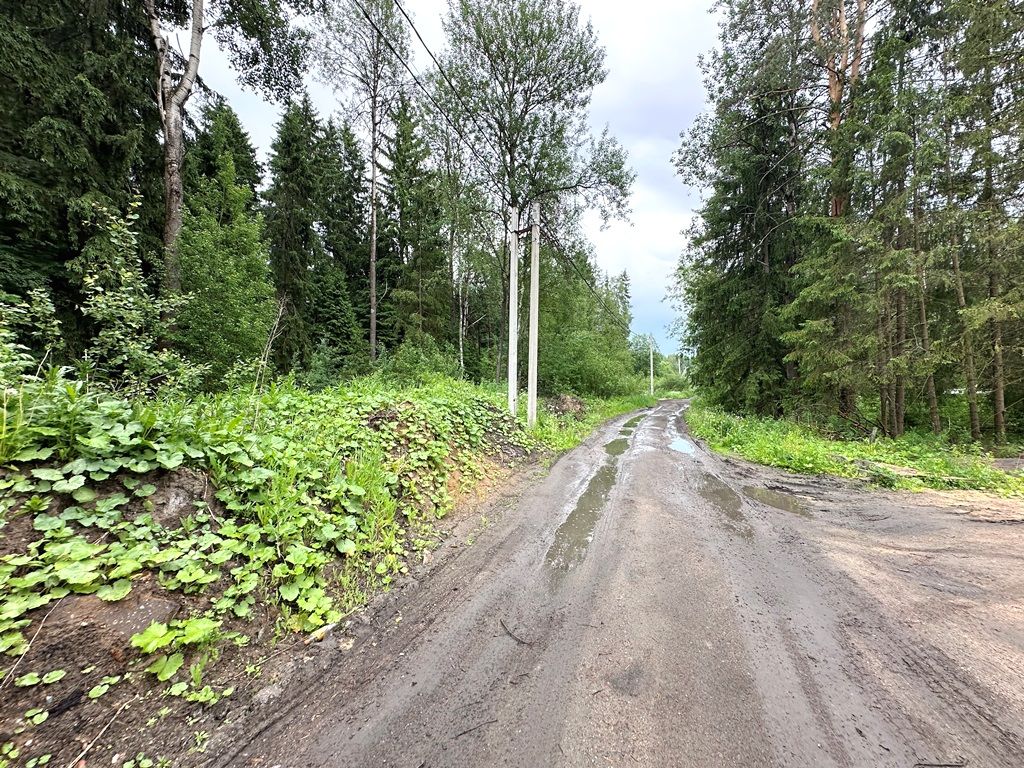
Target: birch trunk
[(171, 100), (374, 140)]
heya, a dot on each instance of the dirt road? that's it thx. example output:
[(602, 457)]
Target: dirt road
[(648, 603)]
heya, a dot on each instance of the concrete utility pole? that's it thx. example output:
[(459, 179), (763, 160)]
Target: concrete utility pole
[(531, 376), (513, 311), (650, 348)]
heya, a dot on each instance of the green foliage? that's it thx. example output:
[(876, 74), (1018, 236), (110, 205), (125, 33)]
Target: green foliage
[(79, 124), (15, 360), (864, 259), (673, 384), (315, 492), (584, 348), (913, 461), (291, 226), (224, 263), (411, 234), (540, 134), (221, 133), (418, 360), (314, 203), (127, 321)]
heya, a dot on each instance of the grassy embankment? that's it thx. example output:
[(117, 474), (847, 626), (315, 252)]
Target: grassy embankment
[(912, 462), (249, 516)]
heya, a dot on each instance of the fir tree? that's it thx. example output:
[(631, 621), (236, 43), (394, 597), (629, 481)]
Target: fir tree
[(292, 207), (224, 262)]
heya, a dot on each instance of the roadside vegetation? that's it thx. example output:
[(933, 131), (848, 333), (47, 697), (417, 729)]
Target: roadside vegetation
[(914, 461), (241, 387), (234, 519)]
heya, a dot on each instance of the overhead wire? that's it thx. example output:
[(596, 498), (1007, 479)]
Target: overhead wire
[(613, 314), (426, 92)]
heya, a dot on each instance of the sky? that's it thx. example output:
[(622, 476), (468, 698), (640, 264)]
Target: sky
[(652, 93)]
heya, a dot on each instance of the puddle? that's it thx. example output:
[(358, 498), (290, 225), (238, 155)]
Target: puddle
[(634, 421), (683, 445), (617, 447), (626, 432), (725, 500), (777, 499), (574, 535)]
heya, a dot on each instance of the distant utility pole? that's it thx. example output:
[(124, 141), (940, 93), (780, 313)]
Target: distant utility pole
[(513, 311), (650, 348), (531, 377)]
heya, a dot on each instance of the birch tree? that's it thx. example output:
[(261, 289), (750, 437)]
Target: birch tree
[(265, 47), (521, 76), (362, 46)]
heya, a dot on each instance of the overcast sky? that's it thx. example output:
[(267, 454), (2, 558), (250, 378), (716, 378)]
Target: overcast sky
[(652, 92)]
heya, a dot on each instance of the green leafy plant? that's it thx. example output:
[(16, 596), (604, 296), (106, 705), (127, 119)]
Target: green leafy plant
[(911, 462)]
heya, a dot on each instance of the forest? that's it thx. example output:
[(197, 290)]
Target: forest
[(145, 248), (858, 259)]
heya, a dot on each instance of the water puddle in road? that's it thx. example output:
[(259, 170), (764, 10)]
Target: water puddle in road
[(626, 432), (725, 500), (573, 536), (634, 421), (617, 447), (777, 499), (683, 445)]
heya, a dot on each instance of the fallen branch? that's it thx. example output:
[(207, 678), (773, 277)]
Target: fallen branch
[(512, 634), (97, 737), (475, 727)]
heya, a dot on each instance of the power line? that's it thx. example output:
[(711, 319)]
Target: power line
[(426, 92), (613, 314), (455, 91)]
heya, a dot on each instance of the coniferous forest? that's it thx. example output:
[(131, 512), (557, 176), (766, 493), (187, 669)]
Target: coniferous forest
[(859, 254), (143, 243)]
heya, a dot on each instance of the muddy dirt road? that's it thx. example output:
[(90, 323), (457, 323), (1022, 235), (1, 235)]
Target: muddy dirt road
[(647, 603)]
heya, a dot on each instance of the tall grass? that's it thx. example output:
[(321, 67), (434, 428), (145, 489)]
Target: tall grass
[(912, 462)]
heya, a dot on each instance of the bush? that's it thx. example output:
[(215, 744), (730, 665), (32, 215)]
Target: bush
[(672, 383), (418, 360), (126, 321)]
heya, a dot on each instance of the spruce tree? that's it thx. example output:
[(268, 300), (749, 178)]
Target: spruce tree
[(220, 131), (416, 261), (79, 127), (292, 203), (224, 262)]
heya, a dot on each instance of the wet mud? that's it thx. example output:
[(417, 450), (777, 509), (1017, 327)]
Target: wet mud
[(778, 499), (649, 603)]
